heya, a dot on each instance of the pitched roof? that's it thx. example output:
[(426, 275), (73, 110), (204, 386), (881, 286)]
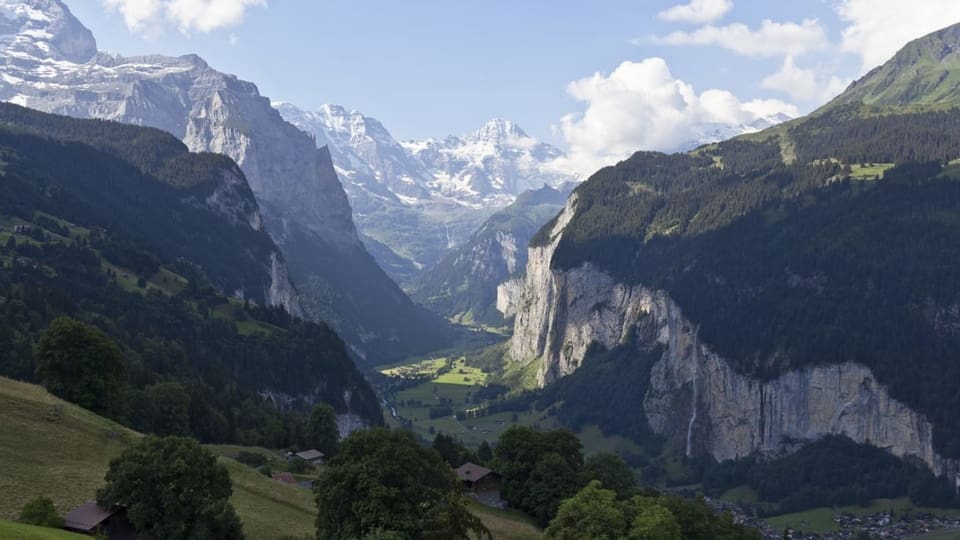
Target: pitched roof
[(310, 455), (86, 517), (472, 472)]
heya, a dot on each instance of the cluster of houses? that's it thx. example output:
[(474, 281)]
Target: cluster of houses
[(879, 526), (884, 526)]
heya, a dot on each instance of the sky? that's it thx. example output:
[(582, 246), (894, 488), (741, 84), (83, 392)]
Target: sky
[(600, 79)]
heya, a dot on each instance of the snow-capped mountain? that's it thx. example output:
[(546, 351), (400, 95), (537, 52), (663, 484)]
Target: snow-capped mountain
[(413, 201), (49, 61), (487, 168), (363, 151), (43, 29), (491, 166), (711, 133)]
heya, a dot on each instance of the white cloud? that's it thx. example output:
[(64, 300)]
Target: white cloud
[(641, 106), (697, 11), (187, 15), (876, 29), (804, 85), (769, 40)]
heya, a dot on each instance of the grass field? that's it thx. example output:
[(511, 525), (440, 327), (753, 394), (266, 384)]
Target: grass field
[(10, 530), (232, 310), (421, 368), (742, 494), (52, 448), (270, 509), (506, 524), (49, 447), (869, 171)]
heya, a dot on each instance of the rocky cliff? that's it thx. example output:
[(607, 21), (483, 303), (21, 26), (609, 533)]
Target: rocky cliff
[(695, 398)]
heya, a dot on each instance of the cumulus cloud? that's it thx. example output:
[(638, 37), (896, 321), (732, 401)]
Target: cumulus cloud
[(641, 106), (187, 15), (804, 85), (697, 11), (769, 40), (876, 29)]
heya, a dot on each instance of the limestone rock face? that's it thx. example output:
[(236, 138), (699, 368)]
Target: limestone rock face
[(508, 296), (695, 398)]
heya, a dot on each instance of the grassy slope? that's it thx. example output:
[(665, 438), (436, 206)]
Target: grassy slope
[(52, 448), (270, 509), (17, 531), (506, 524), (49, 447)]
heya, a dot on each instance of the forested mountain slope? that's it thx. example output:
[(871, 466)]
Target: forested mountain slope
[(130, 233), (782, 280)]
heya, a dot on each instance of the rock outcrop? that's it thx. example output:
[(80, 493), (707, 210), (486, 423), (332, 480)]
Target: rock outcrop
[(695, 398)]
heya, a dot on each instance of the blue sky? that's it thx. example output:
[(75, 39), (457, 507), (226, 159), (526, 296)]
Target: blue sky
[(430, 68)]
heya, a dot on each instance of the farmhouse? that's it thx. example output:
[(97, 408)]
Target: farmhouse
[(313, 457), (90, 519), (480, 481)]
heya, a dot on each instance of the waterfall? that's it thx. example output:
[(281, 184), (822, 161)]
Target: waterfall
[(693, 415)]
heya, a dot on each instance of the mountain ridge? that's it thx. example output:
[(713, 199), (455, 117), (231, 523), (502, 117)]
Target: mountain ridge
[(924, 72), (304, 206)]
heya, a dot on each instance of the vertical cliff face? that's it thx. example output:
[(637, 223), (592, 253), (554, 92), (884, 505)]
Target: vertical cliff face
[(695, 398), (540, 308)]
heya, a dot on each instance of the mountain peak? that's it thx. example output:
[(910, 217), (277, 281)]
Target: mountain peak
[(498, 130), (925, 71), (44, 29)]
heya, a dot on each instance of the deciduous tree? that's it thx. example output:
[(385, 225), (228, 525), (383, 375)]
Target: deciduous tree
[(79, 363), (383, 484), (322, 432), (172, 489)]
